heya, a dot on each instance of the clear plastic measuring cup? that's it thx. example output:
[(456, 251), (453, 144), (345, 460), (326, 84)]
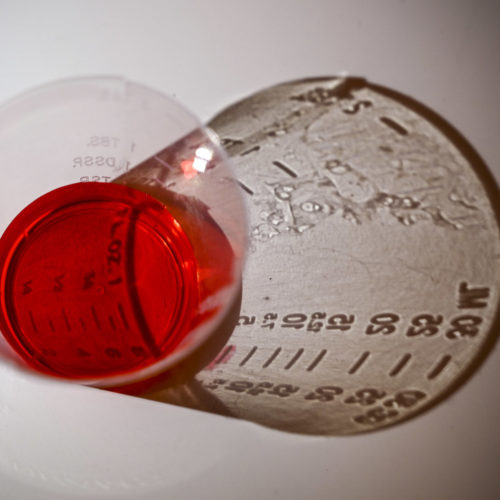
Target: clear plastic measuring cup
[(123, 231)]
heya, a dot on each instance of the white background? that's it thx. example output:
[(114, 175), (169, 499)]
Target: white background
[(61, 442)]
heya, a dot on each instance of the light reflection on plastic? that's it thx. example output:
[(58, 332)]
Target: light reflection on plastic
[(199, 164), (202, 156), (187, 169)]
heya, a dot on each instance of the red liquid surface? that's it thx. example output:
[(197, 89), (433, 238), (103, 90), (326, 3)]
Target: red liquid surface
[(101, 279)]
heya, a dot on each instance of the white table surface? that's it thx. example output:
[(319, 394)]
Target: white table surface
[(60, 441)]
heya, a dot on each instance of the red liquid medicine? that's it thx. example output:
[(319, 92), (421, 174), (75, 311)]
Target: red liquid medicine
[(98, 280)]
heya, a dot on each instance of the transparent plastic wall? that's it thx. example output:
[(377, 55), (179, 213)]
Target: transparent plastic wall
[(132, 252)]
